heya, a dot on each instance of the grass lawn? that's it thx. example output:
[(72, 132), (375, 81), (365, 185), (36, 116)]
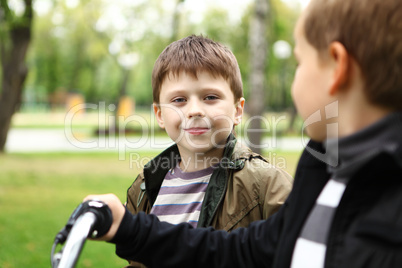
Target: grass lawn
[(39, 191)]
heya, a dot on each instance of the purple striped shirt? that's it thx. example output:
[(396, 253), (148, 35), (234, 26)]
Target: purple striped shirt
[(181, 195)]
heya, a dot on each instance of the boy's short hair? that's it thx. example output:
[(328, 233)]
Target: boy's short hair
[(371, 31), (192, 55)]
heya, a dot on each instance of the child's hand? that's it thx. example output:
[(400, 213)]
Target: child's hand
[(117, 209)]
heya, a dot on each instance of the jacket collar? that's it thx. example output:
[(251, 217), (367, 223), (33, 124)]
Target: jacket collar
[(156, 169), (356, 150)]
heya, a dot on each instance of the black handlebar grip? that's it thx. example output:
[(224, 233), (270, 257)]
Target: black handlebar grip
[(103, 215), (102, 225)]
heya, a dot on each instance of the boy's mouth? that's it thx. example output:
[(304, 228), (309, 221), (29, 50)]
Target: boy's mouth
[(196, 130)]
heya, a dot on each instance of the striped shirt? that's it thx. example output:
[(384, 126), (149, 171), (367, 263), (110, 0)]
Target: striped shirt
[(181, 194)]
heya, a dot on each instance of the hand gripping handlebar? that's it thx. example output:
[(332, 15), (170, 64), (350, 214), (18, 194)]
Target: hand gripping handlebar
[(91, 218)]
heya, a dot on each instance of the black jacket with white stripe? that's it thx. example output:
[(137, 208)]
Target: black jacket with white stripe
[(366, 230)]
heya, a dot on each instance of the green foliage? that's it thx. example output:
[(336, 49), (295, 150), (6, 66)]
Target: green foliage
[(71, 47), (280, 71)]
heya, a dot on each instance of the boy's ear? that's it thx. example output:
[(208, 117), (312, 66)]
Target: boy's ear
[(239, 111), (341, 60), (158, 115)]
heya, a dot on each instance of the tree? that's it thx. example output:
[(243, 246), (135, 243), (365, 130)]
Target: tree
[(176, 20), (258, 57), (15, 40)]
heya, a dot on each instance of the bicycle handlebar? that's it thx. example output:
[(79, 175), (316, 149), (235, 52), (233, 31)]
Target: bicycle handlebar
[(92, 218)]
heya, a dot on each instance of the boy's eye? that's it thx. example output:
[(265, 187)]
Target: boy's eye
[(178, 100), (211, 97)]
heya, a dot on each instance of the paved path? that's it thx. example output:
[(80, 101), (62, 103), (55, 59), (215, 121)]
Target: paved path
[(58, 140)]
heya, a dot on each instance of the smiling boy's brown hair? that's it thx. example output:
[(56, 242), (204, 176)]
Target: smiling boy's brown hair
[(192, 55), (371, 35)]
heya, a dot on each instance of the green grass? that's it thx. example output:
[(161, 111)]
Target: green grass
[(39, 191)]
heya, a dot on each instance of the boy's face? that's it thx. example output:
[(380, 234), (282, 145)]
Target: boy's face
[(198, 114), (311, 86)]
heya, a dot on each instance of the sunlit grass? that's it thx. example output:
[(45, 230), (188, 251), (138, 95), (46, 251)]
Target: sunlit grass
[(39, 191)]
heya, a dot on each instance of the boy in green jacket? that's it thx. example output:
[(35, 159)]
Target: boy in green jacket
[(207, 178)]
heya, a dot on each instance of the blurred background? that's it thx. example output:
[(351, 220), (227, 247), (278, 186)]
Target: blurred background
[(75, 102)]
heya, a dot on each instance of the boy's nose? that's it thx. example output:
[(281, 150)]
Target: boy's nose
[(195, 109)]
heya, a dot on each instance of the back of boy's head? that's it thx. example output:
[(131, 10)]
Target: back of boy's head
[(371, 31), (195, 54)]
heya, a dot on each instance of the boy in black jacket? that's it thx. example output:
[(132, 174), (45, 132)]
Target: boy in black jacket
[(345, 206)]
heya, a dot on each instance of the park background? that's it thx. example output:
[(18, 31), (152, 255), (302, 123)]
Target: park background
[(98, 55)]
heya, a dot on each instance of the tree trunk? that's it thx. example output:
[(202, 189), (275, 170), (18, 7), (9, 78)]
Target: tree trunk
[(14, 70), (258, 57), (122, 93), (176, 21), (77, 66), (293, 115)]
